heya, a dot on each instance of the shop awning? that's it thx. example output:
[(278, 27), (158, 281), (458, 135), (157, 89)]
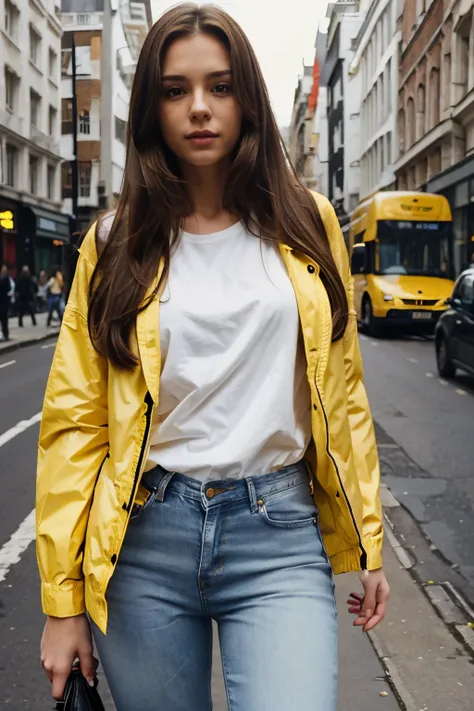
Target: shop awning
[(52, 225)]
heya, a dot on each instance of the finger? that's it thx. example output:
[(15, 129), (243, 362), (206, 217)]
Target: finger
[(369, 603), (88, 664), (59, 683), (356, 596), (377, 617)]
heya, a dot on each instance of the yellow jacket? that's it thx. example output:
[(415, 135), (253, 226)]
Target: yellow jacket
[(95, 436)]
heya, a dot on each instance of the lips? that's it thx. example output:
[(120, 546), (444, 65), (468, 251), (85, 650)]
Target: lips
[(201, 134)]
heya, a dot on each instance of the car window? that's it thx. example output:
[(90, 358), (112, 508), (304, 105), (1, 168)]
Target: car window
[(465, 293)]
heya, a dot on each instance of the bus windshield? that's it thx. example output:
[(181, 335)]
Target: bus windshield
[(413, 248)]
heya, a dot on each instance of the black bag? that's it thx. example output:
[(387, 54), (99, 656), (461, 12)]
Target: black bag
[(79, 696)]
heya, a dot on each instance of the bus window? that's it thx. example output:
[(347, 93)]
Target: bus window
[(358, 260), (413, 248)]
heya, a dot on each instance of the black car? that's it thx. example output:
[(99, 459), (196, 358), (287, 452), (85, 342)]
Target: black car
[(455, 329)]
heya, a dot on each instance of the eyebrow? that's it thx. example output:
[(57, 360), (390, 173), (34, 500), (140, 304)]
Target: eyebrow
[(211, 75)]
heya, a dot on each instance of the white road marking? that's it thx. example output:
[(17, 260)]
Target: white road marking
[(412, 360), (374, 344), (19, 428), (429, 375), (50, 345), (362, 337), (5, 365), (461, 392), (10, 552), (444, 382)]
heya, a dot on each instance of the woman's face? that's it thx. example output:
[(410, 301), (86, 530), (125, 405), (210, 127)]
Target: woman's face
[(199, 116)]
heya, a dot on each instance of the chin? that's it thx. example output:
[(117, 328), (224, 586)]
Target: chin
[(204, 159)]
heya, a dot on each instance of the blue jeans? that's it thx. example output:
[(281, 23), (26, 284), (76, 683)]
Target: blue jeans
[(246, 553)]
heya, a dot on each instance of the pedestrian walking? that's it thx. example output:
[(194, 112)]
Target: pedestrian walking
[(5, 301), (42, 295), (207, 449), (25, 295), (55, 290)]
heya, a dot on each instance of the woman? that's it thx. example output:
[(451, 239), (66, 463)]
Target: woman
[(55, 290), (201, 454)]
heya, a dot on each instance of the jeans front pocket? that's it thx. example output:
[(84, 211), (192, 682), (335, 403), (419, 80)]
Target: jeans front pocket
[(291, 508)]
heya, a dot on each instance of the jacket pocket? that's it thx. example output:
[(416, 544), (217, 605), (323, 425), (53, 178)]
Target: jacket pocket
[(292, 508)]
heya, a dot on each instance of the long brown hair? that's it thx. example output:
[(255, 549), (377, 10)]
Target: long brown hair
[(261, 187)]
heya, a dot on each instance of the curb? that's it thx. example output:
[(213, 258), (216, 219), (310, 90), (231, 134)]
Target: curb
[(447, 602), (17, 345)]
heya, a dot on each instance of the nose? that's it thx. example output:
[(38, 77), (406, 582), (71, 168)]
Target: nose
[(200, 108)]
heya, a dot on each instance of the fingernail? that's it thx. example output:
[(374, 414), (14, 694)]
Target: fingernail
[(91, 682)]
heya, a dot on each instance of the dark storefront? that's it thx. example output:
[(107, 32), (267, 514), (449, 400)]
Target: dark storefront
[(457, 185), (9, 231), (49, 232)]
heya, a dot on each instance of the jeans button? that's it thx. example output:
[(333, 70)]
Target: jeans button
[(210, 493)]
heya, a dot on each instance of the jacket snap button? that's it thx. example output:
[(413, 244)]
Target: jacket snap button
[(311, 269), (210, 493), (315, 407), (337, 495)]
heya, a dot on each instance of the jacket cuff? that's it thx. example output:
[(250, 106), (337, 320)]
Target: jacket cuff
[(66, 600), (373, 548)]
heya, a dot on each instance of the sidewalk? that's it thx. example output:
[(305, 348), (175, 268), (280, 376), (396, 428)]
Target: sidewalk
[(28, 334)]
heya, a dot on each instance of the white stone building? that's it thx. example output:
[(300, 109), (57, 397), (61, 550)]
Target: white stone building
[(376, 62), (32, 228)]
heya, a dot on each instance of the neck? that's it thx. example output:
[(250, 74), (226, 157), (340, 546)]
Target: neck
[(205, 187)]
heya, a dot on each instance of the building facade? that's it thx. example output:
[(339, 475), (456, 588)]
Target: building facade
[(436, 109), (376, 60), (108, 37), (300, 128), (343, 109), (33, 230)]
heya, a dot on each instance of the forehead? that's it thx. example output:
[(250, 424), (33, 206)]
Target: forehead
[(198, 54)]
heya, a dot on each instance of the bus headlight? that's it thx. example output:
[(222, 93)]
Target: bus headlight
[(387, 297)]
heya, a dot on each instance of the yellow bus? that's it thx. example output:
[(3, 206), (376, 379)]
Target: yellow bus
[(401, 259)]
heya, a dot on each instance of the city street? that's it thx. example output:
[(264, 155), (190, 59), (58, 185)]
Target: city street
[(430, 421)]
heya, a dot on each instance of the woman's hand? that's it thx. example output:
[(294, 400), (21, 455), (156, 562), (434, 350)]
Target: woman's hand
[(370, 607), (65, 640)]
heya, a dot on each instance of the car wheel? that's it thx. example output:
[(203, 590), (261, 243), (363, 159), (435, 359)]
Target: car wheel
[(445, 366), (368, 320)]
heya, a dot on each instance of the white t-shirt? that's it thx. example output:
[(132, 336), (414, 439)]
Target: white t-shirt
[(234, 395)]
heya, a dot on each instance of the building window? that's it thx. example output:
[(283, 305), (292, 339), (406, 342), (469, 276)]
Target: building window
[(34, 170), (66, 116), (382, 154), (389, 148), (66, 180), (447, 80), (420, 111), (35, 46), (11, 161), (402, 129), (11, 89), (85, 181), (410, 123), (51, 182), (35, 109), (434, 98), (52, 64), (84, 123), (120, 130), (53, 115), (11, 19)]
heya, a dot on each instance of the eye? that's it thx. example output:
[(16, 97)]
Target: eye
[(173, 92), (222, 88)]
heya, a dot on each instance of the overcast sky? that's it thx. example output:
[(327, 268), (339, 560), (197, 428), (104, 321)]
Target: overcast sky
[(282, 39)]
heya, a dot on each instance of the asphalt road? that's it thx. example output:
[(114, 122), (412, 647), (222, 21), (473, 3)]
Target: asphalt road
[(433, 421), (430, 420)]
